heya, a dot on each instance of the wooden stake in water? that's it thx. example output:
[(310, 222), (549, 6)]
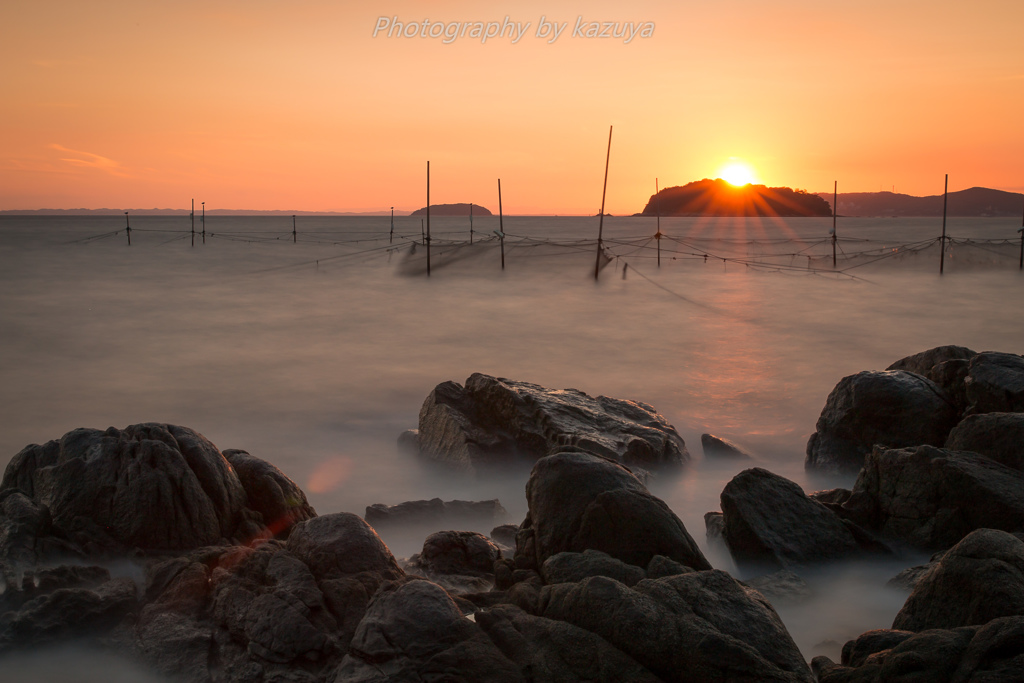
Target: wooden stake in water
[(600, 225), (471, 222), (657, 211), (128, 228), (835, 206), (428, 219), (391, 237), (501, 227), (203, 223), (192, 216), (293, 229), (1021, 231), (945, 198)]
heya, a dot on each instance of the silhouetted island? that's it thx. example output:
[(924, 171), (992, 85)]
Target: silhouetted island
[(976, 201), (452, 210), (720, 198)]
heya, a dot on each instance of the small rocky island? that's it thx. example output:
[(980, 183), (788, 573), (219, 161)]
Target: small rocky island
[(453, 210), (241, 580), (720, 198)]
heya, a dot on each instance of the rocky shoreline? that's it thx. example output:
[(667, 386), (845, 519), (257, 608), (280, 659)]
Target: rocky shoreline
[(237, 578)]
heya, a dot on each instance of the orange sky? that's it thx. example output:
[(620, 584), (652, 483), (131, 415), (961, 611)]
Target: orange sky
[(293, 104)]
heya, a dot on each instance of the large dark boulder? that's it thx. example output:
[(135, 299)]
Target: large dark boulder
[(270, 492), (995, 383), (930, 497), (981, 578), (459, 552), (769, 522), (491, 420), (892, 408), (579, 501), (151, 486), (695, 627), (413, 631), (992, 653), (340, 544), (999, 436), (549, 650)]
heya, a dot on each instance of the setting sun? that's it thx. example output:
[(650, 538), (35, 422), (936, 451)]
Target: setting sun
[(737, 173)]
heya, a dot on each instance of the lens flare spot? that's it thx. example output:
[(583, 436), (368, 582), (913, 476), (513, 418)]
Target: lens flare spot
[(330, 474)]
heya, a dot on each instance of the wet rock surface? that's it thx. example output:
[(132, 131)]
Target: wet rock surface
[(494, 420), (893, 408), (999, 436), (930, 498), (768, 521), (579, 501), (995, 383)]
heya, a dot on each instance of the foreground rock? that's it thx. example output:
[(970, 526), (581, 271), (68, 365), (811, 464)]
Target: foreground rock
[(930, 498), (893, 408), (700, 626), (769, 523), (436, 512), (991, 653), (269, 492), (155, 487), (980, 579), (493, 420), (579, 501)]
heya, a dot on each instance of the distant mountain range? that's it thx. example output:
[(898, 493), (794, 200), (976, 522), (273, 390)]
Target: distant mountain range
[(720, 198), (977, 201), (452, 210)]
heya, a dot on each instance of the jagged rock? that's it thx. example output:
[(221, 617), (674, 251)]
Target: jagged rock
[(892, 408), (990, 653), (714, 526), (770, 522), (572, 567), (67, 613), (995, 383), (270, 492), (700, 626), (717, 447), (783, 586), (414, 632), (946, 366), (505, 534), (436, 512), (579, 501), (980, 579), (999, 436), (556, 651), (178, 647), (341, 544), (151, 486), (27, 533), (922, 363), (491, 420), (930, 498)]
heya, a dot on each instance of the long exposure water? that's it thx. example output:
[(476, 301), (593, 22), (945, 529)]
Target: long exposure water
[(316, 354)]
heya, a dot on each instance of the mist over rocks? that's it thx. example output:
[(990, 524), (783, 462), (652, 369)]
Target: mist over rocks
[(493, 420)]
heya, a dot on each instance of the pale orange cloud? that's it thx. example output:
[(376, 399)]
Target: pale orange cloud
[(100, 163)]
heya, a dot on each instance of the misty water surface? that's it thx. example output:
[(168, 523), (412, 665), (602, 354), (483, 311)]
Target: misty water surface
[(317, 355)]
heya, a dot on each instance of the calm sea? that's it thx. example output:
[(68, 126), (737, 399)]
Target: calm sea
[(316, 354)]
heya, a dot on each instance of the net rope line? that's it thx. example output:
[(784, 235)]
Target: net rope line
[(868, 250)]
